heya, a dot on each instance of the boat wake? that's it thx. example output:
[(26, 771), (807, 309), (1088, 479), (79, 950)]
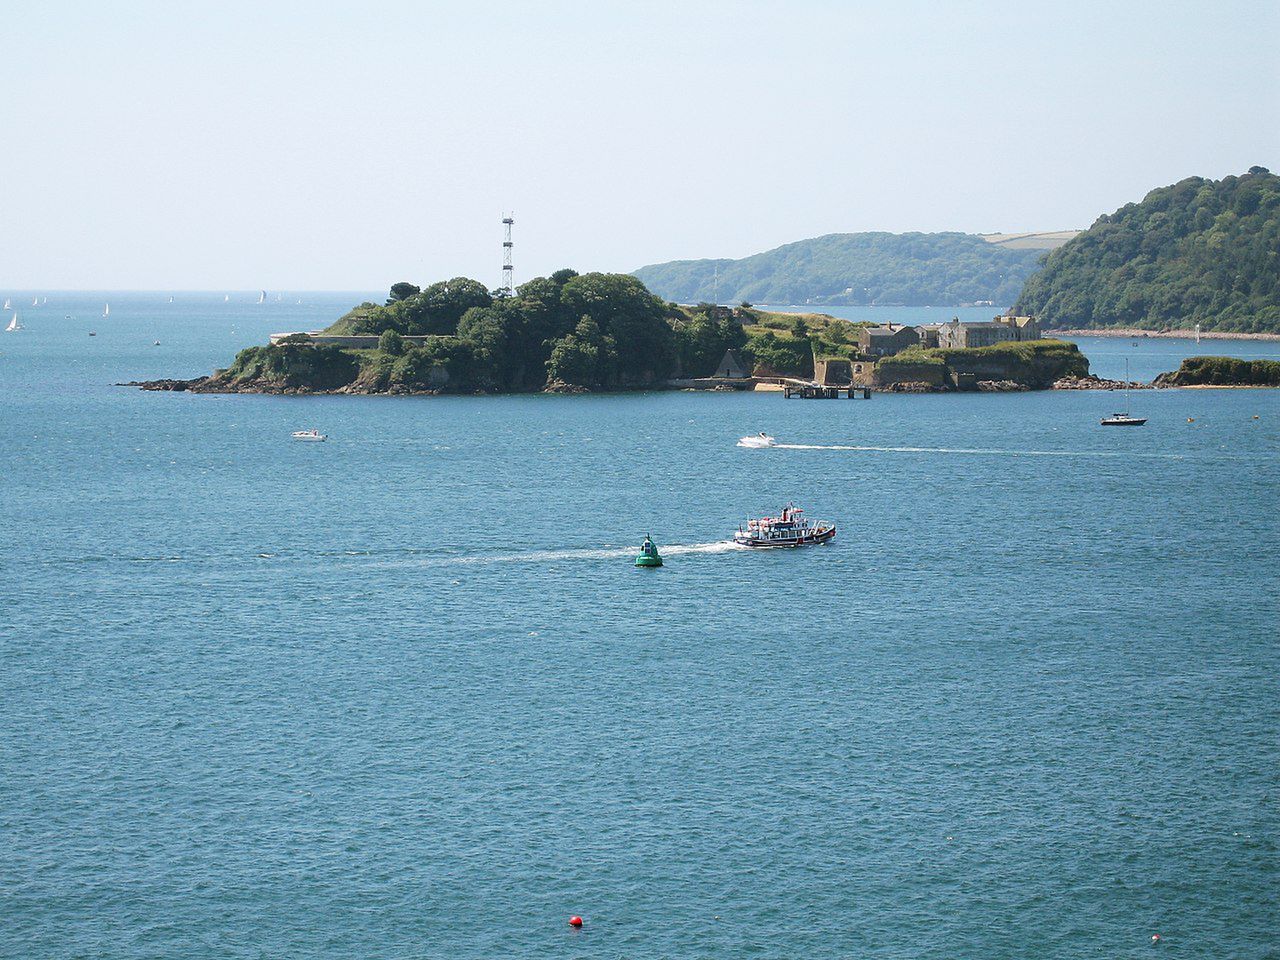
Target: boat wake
[(979, 451), (589, 553)]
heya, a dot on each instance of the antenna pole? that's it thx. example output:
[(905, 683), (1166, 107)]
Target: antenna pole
[(508, 271)]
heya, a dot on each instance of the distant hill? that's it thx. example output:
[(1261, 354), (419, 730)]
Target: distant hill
[(1199, 251), (858, 269)]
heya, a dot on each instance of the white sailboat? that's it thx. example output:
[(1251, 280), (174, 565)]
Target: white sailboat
[(171, 299), (35, 301), (8, 305), (14, 325), (106, 310), (45, 300), (262, 297), (226, 298), (1123, 419)]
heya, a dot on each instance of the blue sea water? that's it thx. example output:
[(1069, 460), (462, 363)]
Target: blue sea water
[(402, 694)]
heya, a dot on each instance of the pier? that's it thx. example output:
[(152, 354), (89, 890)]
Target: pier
[(809, 390)]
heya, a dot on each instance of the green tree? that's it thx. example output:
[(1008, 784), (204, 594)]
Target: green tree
[(585, 358), (439, 307), (502, 349), (632, 317), (391, 343), (402, 291)]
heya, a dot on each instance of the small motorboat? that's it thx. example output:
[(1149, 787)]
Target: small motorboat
[(788, 530), (648, 556), (311, 435), (758, 441)]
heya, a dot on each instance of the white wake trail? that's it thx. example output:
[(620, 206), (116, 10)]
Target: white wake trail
[(978, 451)]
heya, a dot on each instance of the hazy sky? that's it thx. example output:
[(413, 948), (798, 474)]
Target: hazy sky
[(349, 145)]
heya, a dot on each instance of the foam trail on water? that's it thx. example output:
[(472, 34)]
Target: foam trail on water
[(718, 546), (589, 553), (977, 451)]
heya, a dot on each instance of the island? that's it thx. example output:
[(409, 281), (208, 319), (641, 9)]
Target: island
[(573, 333), (1222, 372)]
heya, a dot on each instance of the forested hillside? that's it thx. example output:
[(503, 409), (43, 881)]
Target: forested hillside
[(1199, 251), (859, 269)]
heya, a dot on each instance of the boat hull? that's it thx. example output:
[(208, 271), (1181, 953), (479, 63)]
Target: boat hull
[(643, 561), (812, 539), (1127, 422)]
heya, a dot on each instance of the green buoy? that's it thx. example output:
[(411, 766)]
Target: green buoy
[(648, 554)]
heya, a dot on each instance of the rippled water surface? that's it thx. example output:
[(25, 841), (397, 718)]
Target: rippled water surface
[(402, 694)]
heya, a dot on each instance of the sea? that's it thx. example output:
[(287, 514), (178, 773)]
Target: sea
[(403, 694)]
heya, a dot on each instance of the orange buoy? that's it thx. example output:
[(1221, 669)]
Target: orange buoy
[(575, 921)]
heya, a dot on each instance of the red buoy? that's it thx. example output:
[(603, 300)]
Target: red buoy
[(575, 921), (1155, 938)]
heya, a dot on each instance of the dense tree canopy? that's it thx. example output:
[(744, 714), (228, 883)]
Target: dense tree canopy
[(1199, 251), (594, 331)]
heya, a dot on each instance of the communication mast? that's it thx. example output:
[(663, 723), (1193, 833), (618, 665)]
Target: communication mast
[(508, 271)]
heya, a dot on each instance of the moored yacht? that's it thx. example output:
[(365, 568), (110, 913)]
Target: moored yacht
[(1123, 419), (790, 529), (312, 435)]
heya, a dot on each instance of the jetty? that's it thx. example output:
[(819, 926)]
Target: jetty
[(812, 390)]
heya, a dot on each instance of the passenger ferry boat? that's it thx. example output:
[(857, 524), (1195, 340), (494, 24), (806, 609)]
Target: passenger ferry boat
[(788, 530)]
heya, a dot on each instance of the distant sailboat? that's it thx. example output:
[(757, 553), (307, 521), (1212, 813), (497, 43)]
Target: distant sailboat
[(226, 297), (14, 325), (262, 297), (8, 305), (35, 301), (171, 299), (45, 300), (106, 310)]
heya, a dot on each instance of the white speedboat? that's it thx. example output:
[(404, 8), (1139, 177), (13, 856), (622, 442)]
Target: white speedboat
[(312, 435), (758, 441)]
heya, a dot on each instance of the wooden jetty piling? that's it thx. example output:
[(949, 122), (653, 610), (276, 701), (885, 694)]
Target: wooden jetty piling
[(822, 391)]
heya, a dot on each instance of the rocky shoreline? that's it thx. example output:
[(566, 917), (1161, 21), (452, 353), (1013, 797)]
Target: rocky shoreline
[(215, 385), (211, 385), (1098, 383)]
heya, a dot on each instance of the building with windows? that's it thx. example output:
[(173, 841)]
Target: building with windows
[(886, 340)]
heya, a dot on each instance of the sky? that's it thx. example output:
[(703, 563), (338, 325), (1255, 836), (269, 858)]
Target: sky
[(310, 146)]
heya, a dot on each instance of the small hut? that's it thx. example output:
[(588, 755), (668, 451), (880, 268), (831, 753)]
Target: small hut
[(730, 367)]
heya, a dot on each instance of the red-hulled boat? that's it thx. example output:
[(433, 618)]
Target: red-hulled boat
[(788, 530)]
